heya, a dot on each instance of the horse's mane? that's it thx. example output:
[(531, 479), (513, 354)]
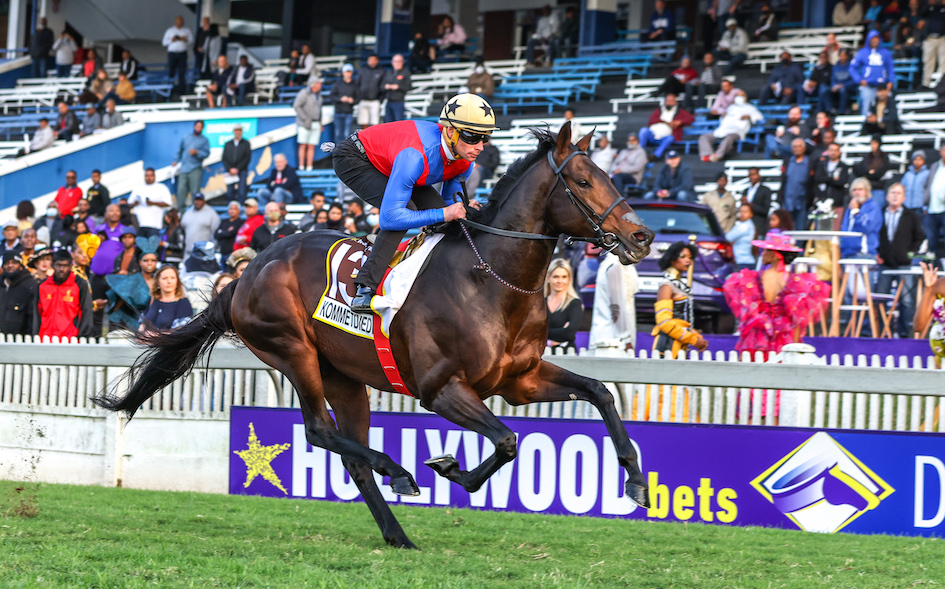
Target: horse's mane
[(546, 141)]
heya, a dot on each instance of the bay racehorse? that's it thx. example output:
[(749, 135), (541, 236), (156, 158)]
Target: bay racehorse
[(475, 325)]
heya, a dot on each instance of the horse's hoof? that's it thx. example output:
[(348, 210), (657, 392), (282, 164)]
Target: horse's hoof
[(402, 543), (404, 485), (638, 494), (442, 464)]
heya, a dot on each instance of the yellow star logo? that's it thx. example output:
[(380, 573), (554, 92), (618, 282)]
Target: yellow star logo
[(258, 459)]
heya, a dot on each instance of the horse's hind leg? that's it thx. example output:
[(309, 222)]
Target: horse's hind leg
[(353, 415), (458, 403)]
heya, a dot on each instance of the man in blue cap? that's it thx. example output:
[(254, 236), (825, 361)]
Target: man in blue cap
[(674, 182)]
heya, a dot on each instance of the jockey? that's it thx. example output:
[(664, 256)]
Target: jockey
[(393, 167)]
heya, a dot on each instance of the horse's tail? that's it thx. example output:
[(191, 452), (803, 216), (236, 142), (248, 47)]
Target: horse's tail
[(169, 356)]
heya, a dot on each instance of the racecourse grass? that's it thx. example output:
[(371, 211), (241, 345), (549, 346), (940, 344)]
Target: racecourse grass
[(106, 537)]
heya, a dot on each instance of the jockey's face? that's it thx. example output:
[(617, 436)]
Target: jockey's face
[(465, 150)]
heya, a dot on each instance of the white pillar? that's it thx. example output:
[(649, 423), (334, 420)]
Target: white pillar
[(16, 24), (796, 405)]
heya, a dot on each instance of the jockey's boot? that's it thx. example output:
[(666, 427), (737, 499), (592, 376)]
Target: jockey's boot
[(362, 300)]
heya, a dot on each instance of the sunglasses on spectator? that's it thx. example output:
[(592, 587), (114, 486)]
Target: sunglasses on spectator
[(472, 138)]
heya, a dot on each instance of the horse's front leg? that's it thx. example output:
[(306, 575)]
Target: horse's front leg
[(551, 383), (458, 403)]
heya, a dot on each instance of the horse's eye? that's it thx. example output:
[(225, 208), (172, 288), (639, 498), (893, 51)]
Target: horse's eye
[(583, 183)]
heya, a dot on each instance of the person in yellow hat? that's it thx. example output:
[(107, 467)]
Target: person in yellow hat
[(393, 166)]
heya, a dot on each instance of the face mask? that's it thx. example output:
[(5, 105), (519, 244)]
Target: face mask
[(273, 216), (373, 220), (480, 69), (740, 100), (52, 213), (785, 62)]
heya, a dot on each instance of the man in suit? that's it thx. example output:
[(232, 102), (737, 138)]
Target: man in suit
[(758, 197), (900, 236), (831, 178), (236, 157)]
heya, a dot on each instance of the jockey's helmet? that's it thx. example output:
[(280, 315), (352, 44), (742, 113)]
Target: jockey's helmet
[(471, 116)]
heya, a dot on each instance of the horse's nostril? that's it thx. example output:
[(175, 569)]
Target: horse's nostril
[(641, 236)]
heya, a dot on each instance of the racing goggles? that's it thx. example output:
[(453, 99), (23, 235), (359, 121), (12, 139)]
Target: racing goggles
[(472, 138)]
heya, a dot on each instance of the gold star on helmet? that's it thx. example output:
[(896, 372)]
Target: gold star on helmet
[(451, 107), (258, 459), (486, 109)]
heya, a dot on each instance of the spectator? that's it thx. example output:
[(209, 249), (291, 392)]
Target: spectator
[(733, 46), (100, 87), (67, 124), (396, 85), (758, 196), (452, 36), (545, 37), (242, 81), (92, 121), (766, 28), (818, 84), (127, 216), (778, 144), (290, 77), (51, 222), (169, 306), (629, 166), (11, 238), (283, 184), (908, 42), (831, 178), (864, 216), (847, 13), (665, 126), (127, 261), (128, 66), (65, 49), (40, 265), (662, 23), (603, 156), (225, 235), (199, 223), (317, 200), (818, 153), (708, 81), (122, 93), (239, 259), (356, 212), (307, 65), (92, 64), (842, 84), (68, 196), (899, 239), (336, 221), (724, 99), (111, 118), (82, 214), (723, 11), (784, 83), (253, 221), (421, 54), (882, 117), (219, 79), (273, 229), (210, 48), (178, 40), (103, 260), (674, 181), (18, 297), (220, 283), (43, 137), (65, 302), (874, 167), (563, 303), (678, 80), (481, 81), (149, 203), (780, 220), (369, 89), (190, 154), (914, 181), (740, 236), (27, 244), (25, 214), (614, 316), (795, 184), (832, 48), (874, 16), (171, 246), (41, 43), (98, 196), (722, 203), (486, 164), (935, 203), (733, 127), (344, 95), (871, 68), (237, 154), (570, 32), (576, 130), (308, 117), (933, 47)]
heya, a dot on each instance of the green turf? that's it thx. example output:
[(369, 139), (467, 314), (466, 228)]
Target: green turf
[(103, 537)]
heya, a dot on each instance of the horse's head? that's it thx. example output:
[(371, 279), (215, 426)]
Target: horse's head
[(586, 204)]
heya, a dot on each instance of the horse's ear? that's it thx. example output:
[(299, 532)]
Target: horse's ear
[(584, 143), (564, 137)]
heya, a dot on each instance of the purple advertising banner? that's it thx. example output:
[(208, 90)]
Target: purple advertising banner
[(816, 480)]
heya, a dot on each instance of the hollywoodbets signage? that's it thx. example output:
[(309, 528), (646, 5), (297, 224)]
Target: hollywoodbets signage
[(813, 480)]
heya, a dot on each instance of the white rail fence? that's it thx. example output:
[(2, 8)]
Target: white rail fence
[(794, 388)]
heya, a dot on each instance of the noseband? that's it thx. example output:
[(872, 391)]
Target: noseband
[(605, 240)]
